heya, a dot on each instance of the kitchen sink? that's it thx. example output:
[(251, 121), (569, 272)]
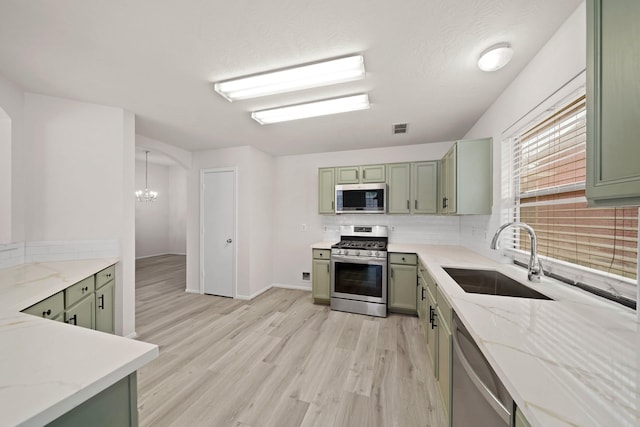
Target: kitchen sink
[(491, 282)]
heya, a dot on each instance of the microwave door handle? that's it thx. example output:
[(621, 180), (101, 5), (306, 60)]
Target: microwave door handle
[(491, 398)]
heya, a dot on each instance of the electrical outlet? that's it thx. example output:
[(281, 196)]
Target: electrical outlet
[(303, 227), (306, 276)]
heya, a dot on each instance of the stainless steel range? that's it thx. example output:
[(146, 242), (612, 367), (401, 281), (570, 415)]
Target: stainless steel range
[(359, 270)]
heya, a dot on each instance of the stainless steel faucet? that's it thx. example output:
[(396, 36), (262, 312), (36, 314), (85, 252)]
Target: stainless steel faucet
[(535, 266)]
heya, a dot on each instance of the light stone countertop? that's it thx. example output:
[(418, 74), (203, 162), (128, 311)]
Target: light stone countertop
[(49, 367), (573, 361)]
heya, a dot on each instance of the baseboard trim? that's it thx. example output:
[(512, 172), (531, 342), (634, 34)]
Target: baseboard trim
[(160, 254), (132, 335), (192, 291), (252, 296), (296, 287)]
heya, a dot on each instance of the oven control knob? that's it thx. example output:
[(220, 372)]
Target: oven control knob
[(357, 253), (369, 253), (346, 252), (377, 253)]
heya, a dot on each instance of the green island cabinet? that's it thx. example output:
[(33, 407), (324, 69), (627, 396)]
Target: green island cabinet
[(613, 60), (90, 303), (412, 188), (360, 174), (436, 320), (114, 406), (466, 178), (401, 289), (326, 190), (321, 276)]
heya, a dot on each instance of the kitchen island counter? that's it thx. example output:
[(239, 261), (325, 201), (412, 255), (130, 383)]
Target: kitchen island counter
[(47, 368)]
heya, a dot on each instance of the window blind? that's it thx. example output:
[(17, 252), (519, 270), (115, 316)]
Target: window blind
[(549, 167)]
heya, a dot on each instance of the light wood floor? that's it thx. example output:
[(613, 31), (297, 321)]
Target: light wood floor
[(278, 360)]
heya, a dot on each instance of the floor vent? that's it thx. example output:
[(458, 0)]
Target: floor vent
[(399, 128)]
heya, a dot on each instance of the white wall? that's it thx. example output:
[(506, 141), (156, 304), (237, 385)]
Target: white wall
[(11, 149), (152, 218), (79, 182), (561, 59), (161, 225), (253, 217), (177, 210), (296, 203), (74, 169)]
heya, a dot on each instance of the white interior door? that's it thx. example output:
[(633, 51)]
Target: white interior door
[(218, 247)]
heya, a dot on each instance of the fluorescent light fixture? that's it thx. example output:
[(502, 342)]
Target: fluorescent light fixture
[(296, 78), (496, 57), (312, 109)]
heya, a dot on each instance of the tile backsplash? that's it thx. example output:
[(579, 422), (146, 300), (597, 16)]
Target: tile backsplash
[(61, 250), (421, 229)]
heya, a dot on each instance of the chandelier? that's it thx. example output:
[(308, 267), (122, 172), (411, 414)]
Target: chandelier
[(146, 195)]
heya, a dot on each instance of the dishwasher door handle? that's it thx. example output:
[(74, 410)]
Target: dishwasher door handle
[(491, 398)]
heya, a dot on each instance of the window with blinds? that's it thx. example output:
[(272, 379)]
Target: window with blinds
[(549, 182)]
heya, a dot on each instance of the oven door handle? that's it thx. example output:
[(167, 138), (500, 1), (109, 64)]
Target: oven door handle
[(491, 398), (359, 260)]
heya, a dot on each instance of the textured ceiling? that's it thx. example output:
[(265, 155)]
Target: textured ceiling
[(158, 58)]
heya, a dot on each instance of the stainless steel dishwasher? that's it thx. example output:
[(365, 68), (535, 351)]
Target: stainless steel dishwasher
[(479, 397)]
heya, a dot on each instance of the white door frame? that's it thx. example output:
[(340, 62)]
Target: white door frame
[(234, 169)]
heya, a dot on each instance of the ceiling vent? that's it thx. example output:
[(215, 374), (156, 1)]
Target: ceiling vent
[(399, 128)]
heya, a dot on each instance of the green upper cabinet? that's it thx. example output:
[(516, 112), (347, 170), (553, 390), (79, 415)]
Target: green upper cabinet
[(326, 190), (466, 172), (399, 188), (360, 174), (424, 187), (613, 107), (412, 188)]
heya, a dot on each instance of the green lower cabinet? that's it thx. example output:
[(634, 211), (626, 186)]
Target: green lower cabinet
[(402, 288), (105, 298), (321, 275), (115, 406), (445, 352), (82, 313)]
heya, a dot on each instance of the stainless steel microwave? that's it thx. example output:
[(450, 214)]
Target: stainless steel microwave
[(361, 198)]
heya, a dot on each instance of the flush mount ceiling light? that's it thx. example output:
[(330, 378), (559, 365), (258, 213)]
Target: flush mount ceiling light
[(496, 57), (146, 195), (312, 109), (295, 78)]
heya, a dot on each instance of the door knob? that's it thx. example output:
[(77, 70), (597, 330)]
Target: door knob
[(229, 240)]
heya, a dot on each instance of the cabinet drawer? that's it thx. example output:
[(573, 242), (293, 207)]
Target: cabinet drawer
[(444, 307), (75, 293), (322, 253), (409, 259), (105, 276), (48, 308)]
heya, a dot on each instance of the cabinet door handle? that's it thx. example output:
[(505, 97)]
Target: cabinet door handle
[(46, 313), (356, 174), (445, 202), (392, 274), (101, 304), (108, 275), (415, 204), (404, 260), (408, 204), (74, 319), (422, 292), (433, 323), (328, 268), (364, 174), (431, 314), (332, 205)]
